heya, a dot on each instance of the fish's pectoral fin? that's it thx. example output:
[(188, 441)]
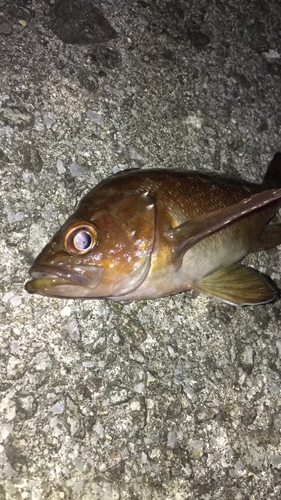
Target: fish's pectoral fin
[(238, 285), (270, 238), (189, 233)]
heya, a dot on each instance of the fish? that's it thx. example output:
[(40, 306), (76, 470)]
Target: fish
[(145, 234)]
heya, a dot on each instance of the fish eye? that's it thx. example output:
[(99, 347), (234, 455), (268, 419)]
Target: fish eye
[(80, 238)]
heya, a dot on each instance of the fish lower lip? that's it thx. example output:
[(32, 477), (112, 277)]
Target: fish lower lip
[(43, 283), (51, 276)]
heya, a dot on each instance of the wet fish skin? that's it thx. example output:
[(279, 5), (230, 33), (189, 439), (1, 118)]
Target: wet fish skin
[(151, 233)]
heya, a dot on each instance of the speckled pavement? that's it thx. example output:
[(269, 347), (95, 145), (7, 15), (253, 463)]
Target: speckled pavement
[(171, 399)]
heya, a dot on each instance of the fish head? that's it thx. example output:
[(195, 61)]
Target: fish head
[(103, 250)]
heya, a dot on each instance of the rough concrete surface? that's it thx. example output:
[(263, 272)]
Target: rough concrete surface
[(177, 398)]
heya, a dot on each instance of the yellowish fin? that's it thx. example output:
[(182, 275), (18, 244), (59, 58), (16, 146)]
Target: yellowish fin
[(238, 285)]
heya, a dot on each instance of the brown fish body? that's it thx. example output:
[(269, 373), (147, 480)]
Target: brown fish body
[(151, 233), (186, 196)]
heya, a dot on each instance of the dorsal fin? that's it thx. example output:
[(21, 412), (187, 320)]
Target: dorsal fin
[(272, 177)]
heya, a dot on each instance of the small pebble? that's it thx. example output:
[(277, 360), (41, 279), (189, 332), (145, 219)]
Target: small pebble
[(271, 54), (8, 470), (243, 130), (58, 407), (95, 118), (48, 121), (275, 460), (99, 429), (135, 406), (19, 216), (66, 311), (76, 169), (7, 296), (26, 176), (172, 439), (60, 168), (5, 433), (115, 170), (139, 387), (14, 346)]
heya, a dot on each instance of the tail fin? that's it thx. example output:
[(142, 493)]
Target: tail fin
[(272, 178)]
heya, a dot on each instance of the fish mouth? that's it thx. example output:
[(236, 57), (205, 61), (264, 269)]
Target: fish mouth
[(58, 281)]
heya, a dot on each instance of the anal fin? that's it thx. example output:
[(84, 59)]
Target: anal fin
[(238, 285), (270, 238)]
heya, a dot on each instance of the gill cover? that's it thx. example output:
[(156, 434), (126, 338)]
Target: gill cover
[(127, 247)]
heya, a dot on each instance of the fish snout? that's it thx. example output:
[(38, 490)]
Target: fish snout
[(63, 282)]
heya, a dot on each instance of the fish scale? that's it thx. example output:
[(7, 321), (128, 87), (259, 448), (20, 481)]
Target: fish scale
[(142, 234)]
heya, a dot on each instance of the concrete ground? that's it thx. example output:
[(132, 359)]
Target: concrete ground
[(169, 399)]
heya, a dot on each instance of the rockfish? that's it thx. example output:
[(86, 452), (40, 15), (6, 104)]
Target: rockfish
[(142, 234)]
